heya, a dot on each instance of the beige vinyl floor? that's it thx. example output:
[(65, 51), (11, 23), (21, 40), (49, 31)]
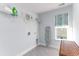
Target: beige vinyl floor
[(43, 51)]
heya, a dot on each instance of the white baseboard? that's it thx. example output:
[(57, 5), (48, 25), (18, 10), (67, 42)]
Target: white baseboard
[(42, 44), (27, 50), (52, 46), (77, 42)]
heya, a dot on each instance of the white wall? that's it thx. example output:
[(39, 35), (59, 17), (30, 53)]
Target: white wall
[(13, 33), (48, 19), (76, 22)]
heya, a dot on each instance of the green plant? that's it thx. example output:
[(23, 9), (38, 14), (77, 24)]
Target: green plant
[(14, 11)]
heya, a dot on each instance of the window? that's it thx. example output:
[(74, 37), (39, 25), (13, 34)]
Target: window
[(61, 20), (61, 26)]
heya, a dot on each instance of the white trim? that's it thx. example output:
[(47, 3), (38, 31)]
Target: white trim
[(52, 46), (65, 26), (42, 44), (27, 50), (77, 42)]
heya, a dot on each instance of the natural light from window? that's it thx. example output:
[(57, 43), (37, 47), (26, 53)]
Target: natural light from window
[(62, 29)]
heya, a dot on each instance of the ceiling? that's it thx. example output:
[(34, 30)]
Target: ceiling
[(38, 7)]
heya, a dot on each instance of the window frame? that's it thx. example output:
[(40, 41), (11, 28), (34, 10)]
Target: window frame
[(63, 26)]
